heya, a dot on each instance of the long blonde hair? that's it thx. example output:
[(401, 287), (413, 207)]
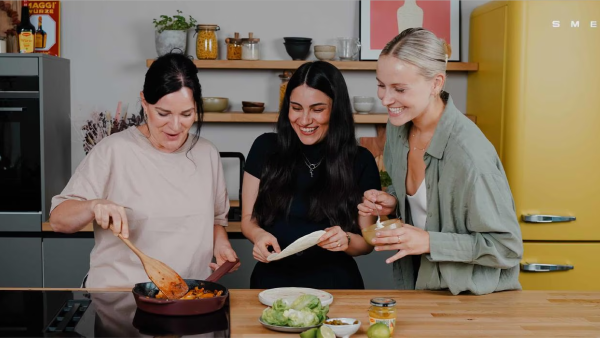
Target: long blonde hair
[(422, 49)]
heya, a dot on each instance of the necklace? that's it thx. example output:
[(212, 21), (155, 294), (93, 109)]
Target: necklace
[(417, 148), (311, 166)]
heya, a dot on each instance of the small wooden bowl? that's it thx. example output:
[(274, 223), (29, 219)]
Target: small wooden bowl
[(253, 110), (252, 104)]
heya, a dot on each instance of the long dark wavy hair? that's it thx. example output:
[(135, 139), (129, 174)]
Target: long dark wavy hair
[(336, 194), (168, 74)]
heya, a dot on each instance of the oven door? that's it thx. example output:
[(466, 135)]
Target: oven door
[(20, 162)]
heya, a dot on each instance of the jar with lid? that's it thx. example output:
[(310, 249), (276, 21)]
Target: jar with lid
[(250, 48), (207, 47), (234, 47), (383, 310), (285, 78)]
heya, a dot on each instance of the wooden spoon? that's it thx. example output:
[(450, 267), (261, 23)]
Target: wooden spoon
[(165, 278)]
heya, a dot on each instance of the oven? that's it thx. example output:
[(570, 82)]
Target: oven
[(21, 187)]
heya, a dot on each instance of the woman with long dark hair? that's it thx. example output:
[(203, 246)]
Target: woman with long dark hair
[(309, 176), (156, 184)]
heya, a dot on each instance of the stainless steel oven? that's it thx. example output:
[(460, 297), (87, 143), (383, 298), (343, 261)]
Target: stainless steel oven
[(35, 158)]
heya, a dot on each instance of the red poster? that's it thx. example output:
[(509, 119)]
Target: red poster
[(45, 17), (435, 16)]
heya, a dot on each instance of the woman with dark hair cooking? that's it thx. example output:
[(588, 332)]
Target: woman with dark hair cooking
[(171, 182), (307, 177)]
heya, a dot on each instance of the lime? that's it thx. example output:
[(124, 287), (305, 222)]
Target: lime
[(325, 332), (310, 333), (378, 330)]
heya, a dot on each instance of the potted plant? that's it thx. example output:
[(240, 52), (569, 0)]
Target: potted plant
[(171, 32)]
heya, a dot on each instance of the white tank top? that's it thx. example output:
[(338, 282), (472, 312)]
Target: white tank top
[(418, 206)]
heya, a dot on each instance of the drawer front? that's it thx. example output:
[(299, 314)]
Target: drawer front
[(560, 266), (15, 66)]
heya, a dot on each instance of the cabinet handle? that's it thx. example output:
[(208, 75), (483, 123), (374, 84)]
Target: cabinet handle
[(4, 109), (547, 218), (545, 267)]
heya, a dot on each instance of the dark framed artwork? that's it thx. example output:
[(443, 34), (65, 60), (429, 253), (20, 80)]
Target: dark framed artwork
[(381, 21)]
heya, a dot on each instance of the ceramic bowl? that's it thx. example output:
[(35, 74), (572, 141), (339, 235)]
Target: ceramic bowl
[(344, 331), (297, 40), (370, 232), (363, 107), (298, 51), (252, 104), (324, 56), (214, 104), (325, 48), (253, 110), (369, 99)]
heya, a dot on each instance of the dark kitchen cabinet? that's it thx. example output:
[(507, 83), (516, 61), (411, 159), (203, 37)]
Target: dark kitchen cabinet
[(21, 262), (66, 261)]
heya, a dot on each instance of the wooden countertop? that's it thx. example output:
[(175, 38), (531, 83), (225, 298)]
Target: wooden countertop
[(439, 314), (232, 227)]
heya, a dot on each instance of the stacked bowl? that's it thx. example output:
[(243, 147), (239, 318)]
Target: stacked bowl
[(325, 52), (297, 48)]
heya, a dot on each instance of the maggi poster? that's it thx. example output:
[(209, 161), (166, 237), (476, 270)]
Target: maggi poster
[(45, 17)]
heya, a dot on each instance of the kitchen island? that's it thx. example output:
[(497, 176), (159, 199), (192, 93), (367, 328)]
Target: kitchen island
[(420, 313)]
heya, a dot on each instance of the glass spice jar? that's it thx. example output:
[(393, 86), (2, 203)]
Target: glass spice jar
[(383, 310), (234, 47), (250, 48), (285, 78), (207, 47)]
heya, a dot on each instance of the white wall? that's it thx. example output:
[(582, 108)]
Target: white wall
[(108, 43)]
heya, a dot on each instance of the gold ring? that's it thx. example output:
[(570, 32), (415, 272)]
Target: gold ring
[(339, 244), (398, 238)]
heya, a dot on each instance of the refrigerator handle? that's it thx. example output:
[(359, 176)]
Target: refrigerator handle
[(545, 267), (546, 218)]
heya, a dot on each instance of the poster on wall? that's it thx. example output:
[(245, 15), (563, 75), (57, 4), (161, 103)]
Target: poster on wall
[(381, 21), (45, 17)]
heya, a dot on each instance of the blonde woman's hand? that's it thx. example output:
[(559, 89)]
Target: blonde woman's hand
[(381, 200), (224, 253), (334, 239), (408, 240), (262, 243), (107, 213)]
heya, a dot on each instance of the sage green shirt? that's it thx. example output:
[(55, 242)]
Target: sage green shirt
[(475, 238)]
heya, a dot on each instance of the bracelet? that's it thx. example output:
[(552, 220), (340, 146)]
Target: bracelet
[(348, 235)]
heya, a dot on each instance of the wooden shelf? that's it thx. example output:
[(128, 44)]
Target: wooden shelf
[(291, 65), (271, 117)]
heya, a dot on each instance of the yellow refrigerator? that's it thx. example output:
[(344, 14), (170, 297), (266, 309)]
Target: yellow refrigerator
[(536, 96)]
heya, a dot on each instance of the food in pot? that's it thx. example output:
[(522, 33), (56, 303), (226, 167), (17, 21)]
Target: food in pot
[(195, 293)]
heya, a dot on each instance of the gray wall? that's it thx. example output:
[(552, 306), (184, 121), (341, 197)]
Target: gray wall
[(109, 41)]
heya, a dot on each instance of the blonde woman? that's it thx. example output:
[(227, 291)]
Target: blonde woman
[(448, 183)]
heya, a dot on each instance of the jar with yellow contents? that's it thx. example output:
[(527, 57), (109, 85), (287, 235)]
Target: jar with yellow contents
[(383, 310), (234, 47), (207, 47), (285, 78)]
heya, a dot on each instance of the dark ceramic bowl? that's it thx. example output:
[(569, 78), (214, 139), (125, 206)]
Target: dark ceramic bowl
[(298, 51), (252, 104), (296, 39), (253, 110)]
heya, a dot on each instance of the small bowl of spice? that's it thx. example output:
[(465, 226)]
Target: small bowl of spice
[(343, 327)]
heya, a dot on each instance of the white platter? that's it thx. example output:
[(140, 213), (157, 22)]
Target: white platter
[(268, 297)]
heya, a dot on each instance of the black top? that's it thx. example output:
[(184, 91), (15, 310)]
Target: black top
[(314, 267)]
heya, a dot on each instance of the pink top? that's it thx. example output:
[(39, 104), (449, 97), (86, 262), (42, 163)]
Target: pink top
[(176, 199)]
